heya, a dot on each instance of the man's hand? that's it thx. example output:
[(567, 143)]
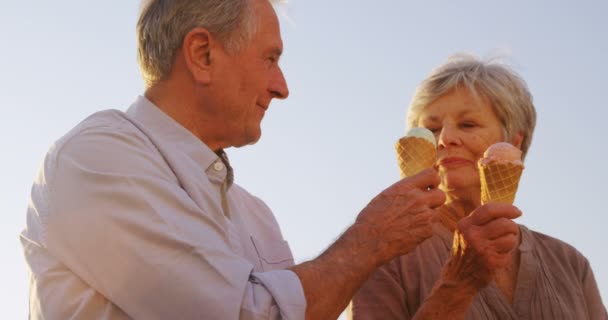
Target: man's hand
[(392, 224), (401, 217)]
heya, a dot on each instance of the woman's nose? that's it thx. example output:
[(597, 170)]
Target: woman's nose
[(448, 136)]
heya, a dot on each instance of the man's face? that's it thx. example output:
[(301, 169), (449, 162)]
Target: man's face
[(248, 80)]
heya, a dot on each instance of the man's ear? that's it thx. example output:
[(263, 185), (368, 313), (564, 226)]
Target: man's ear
[(197, 48), (518, 139)]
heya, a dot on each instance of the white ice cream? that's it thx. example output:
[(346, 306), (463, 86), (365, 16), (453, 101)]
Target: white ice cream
[(422, 133)]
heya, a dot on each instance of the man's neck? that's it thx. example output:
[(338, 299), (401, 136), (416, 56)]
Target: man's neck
[(185, 110)]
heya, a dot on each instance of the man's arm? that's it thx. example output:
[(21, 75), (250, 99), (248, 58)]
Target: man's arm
[(112, 213), (392, 224)]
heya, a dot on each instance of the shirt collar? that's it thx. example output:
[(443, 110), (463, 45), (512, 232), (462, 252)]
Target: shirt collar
[(230, 172), (170, 131)]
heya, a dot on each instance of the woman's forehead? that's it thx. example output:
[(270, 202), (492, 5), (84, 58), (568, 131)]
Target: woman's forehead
[(457, 102)]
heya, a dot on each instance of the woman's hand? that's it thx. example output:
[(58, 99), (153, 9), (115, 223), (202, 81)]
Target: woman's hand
[(483, 244)]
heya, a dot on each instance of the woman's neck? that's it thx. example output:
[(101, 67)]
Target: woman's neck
[(456, 208)]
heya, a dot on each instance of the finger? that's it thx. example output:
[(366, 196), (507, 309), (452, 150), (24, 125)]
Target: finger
[(505, 244), (435, 198), (422, 219), (425, 179), (499, 227), (426, 199), (491, 211), (423, 199), (414, 219), (436, 216), (422, 225)]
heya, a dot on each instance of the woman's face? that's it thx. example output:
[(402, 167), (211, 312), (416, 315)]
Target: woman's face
[(464, 127)]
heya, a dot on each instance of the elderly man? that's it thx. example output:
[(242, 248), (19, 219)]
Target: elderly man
[(135, 215)]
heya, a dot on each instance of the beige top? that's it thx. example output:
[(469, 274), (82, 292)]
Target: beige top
[(554, 282), (131, 216)]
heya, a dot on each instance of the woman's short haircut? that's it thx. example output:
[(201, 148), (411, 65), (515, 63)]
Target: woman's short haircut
[(504, 88)]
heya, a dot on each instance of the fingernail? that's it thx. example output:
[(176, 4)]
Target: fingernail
[(519, 212)]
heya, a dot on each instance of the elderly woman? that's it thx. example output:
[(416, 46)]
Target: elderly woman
[(507, 271)]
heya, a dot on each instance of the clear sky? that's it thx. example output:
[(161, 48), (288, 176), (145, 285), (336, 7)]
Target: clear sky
[(352, 67)]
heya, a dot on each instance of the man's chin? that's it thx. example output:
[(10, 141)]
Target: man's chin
[(249, 139)]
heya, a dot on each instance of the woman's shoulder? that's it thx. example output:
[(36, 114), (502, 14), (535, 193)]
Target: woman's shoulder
[(551, 249)]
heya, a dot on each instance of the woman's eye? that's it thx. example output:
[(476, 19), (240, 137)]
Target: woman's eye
[(434, 130), (468, 125)]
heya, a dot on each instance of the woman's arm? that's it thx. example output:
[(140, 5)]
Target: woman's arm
[(482, 245), (453, 293), (595, 307)]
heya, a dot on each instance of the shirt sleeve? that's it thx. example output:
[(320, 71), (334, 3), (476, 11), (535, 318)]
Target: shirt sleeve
[(593, 299), (116, 216)]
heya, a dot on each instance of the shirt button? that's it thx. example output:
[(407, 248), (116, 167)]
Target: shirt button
[(218, 166)]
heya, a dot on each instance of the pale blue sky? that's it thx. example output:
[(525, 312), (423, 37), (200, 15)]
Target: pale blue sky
[(352, 67)]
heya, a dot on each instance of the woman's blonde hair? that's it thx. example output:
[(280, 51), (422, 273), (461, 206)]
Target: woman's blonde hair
[(506, 91)]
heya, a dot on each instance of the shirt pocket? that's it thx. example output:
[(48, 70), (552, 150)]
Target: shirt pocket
[(273, 254)]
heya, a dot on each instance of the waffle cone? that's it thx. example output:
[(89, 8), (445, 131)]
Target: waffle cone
[(499, 181), (414, 155)]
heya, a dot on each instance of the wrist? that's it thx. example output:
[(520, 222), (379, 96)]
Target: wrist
[(367, 244), (463, 273), (449, 299), (464, 287)]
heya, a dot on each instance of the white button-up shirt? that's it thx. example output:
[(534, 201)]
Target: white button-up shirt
[(131, 216)]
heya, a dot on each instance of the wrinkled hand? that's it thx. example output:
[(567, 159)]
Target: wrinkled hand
[(401, 217), (483, 243)]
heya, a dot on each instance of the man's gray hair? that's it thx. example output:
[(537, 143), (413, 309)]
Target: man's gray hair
[(163, 24), (506, 91)]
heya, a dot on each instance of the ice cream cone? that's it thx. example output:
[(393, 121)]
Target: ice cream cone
[(499, 181), (414, 154), (499, 171)]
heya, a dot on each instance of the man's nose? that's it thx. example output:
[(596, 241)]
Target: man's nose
[(278, 85)]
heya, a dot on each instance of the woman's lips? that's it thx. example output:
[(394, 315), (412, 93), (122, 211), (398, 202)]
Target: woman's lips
[(454, 162)]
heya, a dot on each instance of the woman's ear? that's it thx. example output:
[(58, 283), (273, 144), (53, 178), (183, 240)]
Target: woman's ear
[(196, 48), (517, 140)]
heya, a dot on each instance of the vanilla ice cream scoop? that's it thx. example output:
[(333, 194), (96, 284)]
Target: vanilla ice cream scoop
[(416, 151), (422, 133)]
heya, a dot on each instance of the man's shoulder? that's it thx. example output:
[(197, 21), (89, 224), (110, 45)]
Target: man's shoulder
[(100, 121), (97, 130), (105, 141)]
